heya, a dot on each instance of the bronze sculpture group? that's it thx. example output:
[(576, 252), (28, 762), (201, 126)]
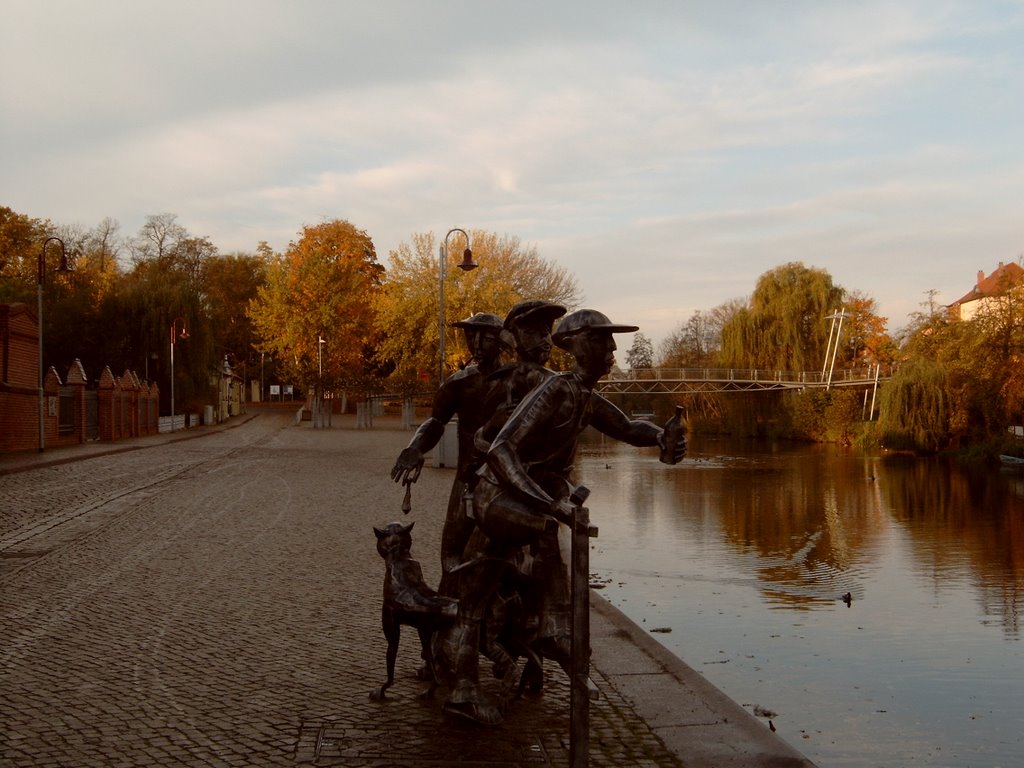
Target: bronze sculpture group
[(504, 592)]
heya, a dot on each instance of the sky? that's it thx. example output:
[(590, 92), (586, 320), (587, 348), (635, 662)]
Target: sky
[(667, 154)]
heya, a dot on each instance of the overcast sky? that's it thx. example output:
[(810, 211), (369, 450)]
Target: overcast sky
[(665, 153)]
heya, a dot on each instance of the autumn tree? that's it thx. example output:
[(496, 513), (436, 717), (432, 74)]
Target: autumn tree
[(407, 308), (322, 287), (963, 381), (21, 238), (73, 322), (864, 332)]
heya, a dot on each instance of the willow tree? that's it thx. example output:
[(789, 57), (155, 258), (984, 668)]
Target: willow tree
[(784, 326), (407, 307), (322, 287), (982, 362), (914, 407)]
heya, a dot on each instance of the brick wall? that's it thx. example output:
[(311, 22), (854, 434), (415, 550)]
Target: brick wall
[(128, 407)]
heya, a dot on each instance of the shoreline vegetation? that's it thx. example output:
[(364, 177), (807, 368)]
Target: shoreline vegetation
[(831, 416)]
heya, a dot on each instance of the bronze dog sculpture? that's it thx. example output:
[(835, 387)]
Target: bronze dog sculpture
[(409, 601)]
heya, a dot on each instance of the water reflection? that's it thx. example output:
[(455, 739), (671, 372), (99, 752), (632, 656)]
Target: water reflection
[(745, 552), (964, 522), (813, 522)]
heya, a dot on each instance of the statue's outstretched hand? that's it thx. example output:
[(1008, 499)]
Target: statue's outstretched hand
[(672, 439), (407, 467), (672, 454)]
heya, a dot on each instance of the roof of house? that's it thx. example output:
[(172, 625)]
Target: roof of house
[(1003, 276)]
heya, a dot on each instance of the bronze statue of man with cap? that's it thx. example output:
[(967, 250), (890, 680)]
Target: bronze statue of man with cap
[(524, 486), (460, 395)]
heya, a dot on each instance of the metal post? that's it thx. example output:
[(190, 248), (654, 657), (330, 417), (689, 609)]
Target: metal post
[(828, 346), (839, 315), (172, 377), (874, 391), (174, 337), (42, 392), (581, 690), (443, 271), (39, 316)]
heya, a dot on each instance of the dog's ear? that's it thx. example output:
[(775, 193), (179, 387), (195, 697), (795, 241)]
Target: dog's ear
[(408, 528), (380, 534)]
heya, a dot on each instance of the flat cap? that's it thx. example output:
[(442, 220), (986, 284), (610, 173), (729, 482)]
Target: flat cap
[(480, 320), (533, 310), (587, 320)]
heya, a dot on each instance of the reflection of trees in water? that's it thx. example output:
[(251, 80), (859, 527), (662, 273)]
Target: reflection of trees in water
[(963, 519), (811, 519), (806, 521)]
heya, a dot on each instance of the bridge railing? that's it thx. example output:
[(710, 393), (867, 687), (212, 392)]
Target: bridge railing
[(864, 373)]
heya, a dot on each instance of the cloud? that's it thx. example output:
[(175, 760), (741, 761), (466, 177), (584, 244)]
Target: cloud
[(666, 154)]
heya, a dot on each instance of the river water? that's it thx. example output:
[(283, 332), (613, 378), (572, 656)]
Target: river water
[(738, 561)]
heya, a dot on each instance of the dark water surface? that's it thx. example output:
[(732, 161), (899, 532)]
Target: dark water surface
[(746, 550)]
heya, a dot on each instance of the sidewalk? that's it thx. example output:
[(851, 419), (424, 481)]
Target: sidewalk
[(652, 704)]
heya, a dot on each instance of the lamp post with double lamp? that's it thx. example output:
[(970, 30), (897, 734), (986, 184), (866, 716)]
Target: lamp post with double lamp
[(39, 315), (175, 335)]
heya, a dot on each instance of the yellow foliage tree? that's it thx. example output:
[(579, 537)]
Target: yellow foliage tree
[(322, 287), (407, 308)]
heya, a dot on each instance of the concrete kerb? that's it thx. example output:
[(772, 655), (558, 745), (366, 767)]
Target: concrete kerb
[(19, 462), (695, 720)]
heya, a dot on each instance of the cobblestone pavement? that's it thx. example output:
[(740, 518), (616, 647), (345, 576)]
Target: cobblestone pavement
[(216, 602)]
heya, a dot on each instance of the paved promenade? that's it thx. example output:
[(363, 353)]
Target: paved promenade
[(212, 598)]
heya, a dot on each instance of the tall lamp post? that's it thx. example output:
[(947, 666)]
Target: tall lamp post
[(465, 265), (318, 402), (175, 335), (39, 314)]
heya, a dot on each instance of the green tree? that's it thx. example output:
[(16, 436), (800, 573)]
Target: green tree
[(407, 308), (229, 283), (784, 326), (914, 408), (641, 353)]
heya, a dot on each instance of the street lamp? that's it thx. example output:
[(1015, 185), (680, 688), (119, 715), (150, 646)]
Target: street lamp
[(465, 265), (318, 401), (39, 314), (175, 335)]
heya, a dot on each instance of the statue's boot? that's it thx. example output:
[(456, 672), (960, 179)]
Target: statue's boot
[(467, 701)]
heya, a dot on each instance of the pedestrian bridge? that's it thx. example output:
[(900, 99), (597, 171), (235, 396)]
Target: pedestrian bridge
[(671, 381)]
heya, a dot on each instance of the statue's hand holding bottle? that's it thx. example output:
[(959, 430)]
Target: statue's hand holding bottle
[(673, 438)]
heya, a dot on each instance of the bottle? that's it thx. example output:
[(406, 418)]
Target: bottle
[(674, 433)]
